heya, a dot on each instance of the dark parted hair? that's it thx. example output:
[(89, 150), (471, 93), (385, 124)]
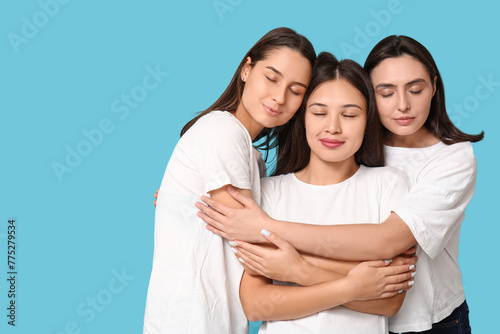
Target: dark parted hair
[(438, 122), (231, 98), (294, 152)]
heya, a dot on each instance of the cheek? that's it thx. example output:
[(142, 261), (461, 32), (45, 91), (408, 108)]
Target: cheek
[(293, 103)]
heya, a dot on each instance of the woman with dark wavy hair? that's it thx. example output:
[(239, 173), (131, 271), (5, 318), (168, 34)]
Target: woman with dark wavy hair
[(195, 279), (439, 160)]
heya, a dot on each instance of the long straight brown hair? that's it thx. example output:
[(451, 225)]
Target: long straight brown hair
[(438, 122), (230, 99), (294, 152)]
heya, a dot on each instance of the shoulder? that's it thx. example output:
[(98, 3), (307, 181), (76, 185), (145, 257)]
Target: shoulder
[(218, 126), (463, 150), (459, 156), (382, 173)]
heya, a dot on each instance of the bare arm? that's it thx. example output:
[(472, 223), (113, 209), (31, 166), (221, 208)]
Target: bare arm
[(262, 300), (372, 241), (433, 207), (282, 262)]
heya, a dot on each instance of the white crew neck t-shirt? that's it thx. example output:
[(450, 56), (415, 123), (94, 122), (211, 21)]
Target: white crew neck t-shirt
[(366, 197), (194, 284), (442, 179)]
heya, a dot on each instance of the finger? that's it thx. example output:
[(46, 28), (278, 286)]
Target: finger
[(399, 278), (251, 249), (410, 251), (155, 195), (217, 206), (249, 259), (209, 216), (250, 269), (379, 263), (274, 239), (407, 285), (405, 260), (216, 231), (399, 269), (237, 195), (154, 203)]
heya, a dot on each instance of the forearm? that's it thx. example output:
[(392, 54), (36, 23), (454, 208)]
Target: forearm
[(384, 306), (262, 301), (354, 242), (310, 274), (337, 266), (329, 269)]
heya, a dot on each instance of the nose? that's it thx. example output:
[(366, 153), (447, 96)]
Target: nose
[(334, 125), (403, 104), (279, 95)]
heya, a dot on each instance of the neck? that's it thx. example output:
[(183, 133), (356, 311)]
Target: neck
[(323, 173), (248, 122), (419, 139)]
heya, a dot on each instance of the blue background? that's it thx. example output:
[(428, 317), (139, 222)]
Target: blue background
[(65, 67)]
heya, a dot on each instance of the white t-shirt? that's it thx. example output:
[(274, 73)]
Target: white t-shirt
[(366, 197), (194, 284), (442, 179)]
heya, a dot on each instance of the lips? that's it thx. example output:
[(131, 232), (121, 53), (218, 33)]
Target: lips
[(271, 111), (406, 120), (331, 143)]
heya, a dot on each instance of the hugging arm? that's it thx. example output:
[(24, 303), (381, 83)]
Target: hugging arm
[(263, 300), (288, 265), (371, 242), (436, 202)]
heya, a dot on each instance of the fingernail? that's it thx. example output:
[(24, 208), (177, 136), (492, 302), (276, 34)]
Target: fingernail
[(265, 232), (241, 260), (230, 189), (388, 261), (413, 274), (400, 291), (232, 243), (197, 205), (410, 283), (233, 250), (412, 267)]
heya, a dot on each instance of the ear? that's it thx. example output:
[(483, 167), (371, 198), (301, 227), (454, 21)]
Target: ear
[(434, 85), (246, 69)]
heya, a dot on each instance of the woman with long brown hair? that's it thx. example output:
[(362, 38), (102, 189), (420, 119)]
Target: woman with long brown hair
[(195, 278)]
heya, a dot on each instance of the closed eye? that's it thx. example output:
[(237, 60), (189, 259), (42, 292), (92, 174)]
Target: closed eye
[(416, 92)]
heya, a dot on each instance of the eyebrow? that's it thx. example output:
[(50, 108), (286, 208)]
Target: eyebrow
[(345, 106), (388, 85), (281, 75)]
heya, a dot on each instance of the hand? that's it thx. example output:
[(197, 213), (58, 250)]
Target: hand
[(279, 261), (156, 196), (378, 279), (409, 252), (235, 224)]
